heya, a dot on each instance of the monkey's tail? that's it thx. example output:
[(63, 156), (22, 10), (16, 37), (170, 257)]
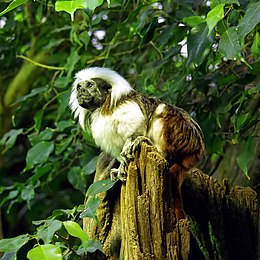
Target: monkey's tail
[(177, 173)]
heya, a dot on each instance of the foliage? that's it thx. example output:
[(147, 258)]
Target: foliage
[(202, 58)]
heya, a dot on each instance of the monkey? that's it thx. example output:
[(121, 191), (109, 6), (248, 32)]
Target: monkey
[(120, 118)]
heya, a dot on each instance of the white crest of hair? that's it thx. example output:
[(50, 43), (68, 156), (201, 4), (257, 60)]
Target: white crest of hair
[(120, 86)]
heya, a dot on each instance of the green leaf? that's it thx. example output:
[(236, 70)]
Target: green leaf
[(254, 90), (71, 6), (54, 43), (61, 147), (94, 245), (61, 82), (88, 154), (192, 21), (84, 38), (13, 5), (63, 124), (240, 120), (46, 134), (90, 141), (63, 104), (77, 178), (75, 230), (91, 166), (9, 256), (91, 208), (199, 44), (11, 196), (38, 120), (38, 154), (72, 60), (93, 4), (114, 3), (213, 3), (13, 244), (246, 154), (229, 44), (255, 48), (41, 171), (33, 93), (214, 16), (45, 252), (46, 233), (28, 193), (217, 144), (100, 186), (250, 20), (9, 138)]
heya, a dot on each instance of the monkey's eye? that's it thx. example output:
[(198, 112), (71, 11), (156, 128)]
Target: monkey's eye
[(81, 88), (90, 84)]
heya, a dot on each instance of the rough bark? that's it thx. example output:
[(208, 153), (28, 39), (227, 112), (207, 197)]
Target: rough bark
[(223, 219), (149, 227), (108, 213), (138, 221)]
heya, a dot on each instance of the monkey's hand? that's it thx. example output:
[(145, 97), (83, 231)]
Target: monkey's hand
[(118, 174), (130, 148)]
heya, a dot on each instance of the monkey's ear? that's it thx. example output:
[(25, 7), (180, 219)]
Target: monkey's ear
[(102, 84)]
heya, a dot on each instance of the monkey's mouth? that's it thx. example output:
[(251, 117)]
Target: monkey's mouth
[(84, 101)]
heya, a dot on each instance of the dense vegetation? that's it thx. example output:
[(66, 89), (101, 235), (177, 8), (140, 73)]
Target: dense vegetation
[(200, 55)]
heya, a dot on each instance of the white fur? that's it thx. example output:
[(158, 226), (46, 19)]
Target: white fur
[(156, 128), (160, 109), (119, 85), (155, 133), (110, 132)]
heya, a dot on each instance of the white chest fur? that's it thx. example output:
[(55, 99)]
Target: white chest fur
[(110, 132)]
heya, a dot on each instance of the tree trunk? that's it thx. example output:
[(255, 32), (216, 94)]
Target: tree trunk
[(138, 220), (149, 227)]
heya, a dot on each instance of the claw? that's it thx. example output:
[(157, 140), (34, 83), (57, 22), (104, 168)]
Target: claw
[(118, 174), (113, 174), (136, 144), (131, 147)]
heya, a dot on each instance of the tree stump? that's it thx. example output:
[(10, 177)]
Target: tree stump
[(149, 227), (138, 221)]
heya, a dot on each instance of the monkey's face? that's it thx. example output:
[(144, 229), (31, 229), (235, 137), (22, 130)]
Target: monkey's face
[(92, 93)]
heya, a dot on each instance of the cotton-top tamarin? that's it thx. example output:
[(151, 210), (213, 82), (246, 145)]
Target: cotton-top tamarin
[(120, 118)]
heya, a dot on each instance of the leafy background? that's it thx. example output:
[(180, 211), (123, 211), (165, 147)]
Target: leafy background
[(200, 55)]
